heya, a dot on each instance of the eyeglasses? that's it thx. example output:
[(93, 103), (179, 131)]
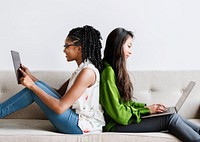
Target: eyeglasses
[(66, 45)]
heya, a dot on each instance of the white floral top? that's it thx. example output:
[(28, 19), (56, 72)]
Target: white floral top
[(88, 108)]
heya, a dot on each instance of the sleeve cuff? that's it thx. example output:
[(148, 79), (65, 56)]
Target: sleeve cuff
[(139, 105), (144, 111)]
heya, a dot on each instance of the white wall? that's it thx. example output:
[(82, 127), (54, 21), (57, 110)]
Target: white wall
[(167, 31)]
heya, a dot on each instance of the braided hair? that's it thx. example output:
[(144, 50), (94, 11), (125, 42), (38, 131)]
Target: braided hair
[(89, 39)]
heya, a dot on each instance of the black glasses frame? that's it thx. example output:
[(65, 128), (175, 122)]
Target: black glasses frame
[(68, 45)]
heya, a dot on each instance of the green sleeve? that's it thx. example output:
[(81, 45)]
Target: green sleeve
[(110, 99), (140, 107)]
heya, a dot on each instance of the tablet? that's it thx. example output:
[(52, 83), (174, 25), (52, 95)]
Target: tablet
[(17, 64)]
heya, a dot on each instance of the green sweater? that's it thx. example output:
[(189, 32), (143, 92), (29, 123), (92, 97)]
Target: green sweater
[(116, 110)]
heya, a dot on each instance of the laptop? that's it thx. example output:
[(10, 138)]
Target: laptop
[(17, 64), (171, 110)]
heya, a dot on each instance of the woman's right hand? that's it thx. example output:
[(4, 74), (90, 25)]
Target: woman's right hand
[(26, 70), (156, 108)]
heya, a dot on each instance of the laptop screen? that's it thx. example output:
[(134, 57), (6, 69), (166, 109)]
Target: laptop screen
[(185, 94)]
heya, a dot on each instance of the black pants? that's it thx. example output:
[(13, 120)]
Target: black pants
[(176, 125)]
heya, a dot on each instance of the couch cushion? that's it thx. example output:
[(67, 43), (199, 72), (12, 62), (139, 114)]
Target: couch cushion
[(42, 130)]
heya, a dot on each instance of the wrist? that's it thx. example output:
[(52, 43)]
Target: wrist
[(33, 86), (150, 111)]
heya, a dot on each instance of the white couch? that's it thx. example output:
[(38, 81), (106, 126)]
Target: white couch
[(165, 87)]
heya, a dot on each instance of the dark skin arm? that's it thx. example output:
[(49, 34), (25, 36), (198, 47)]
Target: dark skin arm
[(60, 91)]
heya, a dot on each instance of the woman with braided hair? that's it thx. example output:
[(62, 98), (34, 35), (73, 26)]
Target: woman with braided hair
[(74, 108)]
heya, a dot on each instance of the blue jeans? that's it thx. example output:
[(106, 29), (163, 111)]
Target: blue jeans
[(66, 122), (181, 128)]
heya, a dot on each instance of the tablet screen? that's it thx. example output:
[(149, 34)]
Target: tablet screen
[(16, 63)]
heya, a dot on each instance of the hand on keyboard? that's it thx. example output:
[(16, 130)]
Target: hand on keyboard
[(156, 108)]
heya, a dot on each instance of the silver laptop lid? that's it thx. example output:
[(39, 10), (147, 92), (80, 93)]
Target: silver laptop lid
[(185, 94)]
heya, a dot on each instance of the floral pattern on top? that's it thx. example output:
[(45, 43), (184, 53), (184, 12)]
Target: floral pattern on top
[(91, 119)]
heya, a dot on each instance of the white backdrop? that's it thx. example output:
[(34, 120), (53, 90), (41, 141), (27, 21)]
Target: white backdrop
[(167, 31)]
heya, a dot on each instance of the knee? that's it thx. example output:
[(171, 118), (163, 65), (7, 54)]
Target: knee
[(173, 119), (37, 83)]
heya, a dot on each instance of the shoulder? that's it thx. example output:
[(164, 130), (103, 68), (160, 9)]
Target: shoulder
[(91, 67), (89, 72), (88, 64), (86, 78), (107, 71)]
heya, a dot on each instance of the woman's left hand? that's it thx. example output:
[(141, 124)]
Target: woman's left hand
[(26, 80)]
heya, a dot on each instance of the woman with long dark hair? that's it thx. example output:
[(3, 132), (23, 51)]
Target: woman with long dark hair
[(122, 114)]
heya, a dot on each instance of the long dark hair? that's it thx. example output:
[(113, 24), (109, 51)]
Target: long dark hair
[(89, 39), (114, 55)]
